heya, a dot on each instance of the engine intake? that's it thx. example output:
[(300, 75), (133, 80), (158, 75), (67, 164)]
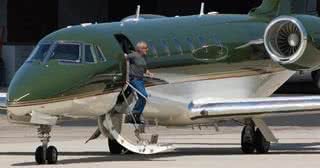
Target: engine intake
[(286, 40), (294, 42)]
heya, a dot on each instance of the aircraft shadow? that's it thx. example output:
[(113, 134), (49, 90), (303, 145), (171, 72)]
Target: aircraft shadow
[(94, 157), (298, 88)]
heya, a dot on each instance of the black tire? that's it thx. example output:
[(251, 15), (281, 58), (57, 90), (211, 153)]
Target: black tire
[(39, 155), (248, 140), (114, 147), (262, 145), (52, 155)]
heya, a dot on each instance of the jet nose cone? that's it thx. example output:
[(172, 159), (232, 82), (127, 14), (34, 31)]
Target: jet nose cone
[(17, 97), (24, 85), (18, 89)]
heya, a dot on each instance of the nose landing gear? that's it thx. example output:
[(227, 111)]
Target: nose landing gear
[(45, 154)]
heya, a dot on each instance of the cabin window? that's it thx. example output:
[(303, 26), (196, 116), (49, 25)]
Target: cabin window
[(89, 54), (39, 53), (153, 48), (165, 47), (100, 55), (64, 52), (190, 43), (178, 46)]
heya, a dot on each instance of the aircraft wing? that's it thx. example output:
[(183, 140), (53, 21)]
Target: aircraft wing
[(3, 105), (254, 108)]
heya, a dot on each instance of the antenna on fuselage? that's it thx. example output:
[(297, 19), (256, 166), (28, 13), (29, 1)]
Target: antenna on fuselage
[(202, 9), (138, 12)]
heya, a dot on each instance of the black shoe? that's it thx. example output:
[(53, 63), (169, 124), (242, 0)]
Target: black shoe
[(136, 118), (139, 118)]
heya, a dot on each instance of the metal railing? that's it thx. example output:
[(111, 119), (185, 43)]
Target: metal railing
[(127, 84), (128, 81)]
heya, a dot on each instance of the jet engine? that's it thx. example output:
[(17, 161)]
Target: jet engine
[(294, 41)]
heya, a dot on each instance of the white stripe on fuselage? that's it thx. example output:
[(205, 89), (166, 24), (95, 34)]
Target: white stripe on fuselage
[(168, 103)]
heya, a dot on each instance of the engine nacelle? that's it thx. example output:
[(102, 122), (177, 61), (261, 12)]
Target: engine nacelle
[(294, 41)]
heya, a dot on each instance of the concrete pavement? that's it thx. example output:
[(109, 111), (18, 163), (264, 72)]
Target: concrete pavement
[(298, 147)]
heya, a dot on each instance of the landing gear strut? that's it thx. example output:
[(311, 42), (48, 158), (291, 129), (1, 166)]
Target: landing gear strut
[(252, 140), (45, 154)]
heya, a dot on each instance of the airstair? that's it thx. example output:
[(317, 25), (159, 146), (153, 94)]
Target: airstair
[(132, 136)]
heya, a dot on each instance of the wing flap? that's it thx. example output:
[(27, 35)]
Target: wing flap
[(256, 107)]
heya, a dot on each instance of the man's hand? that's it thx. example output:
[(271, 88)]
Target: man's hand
[(148, 73)]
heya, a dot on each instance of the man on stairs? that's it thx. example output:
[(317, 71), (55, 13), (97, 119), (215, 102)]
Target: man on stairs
[(137, 70)]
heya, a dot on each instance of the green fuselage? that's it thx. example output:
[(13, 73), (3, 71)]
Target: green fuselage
[(173, 42)]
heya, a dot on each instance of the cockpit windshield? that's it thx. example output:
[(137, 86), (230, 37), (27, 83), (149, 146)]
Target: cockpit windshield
[(39, 53), (66, 52)]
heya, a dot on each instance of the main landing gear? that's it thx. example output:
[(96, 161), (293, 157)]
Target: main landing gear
[(252, 140), (45, 154)]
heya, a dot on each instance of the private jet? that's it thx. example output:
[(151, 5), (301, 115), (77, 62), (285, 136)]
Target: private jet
[(208, 68)]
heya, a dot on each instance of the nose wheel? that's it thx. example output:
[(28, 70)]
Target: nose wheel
[(45, 154), (252, 140)]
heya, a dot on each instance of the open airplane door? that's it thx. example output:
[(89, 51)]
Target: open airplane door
[(127, 136)]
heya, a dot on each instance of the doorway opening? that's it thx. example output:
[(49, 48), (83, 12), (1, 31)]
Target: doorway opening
[(124, 43), (127, 48)]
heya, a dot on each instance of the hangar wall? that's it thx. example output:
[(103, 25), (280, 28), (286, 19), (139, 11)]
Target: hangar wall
[(30, 20), (73, 12), (3, 37), (3, 17)]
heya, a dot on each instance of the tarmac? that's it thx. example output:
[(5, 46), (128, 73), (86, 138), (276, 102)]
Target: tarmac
[(299, 146)]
